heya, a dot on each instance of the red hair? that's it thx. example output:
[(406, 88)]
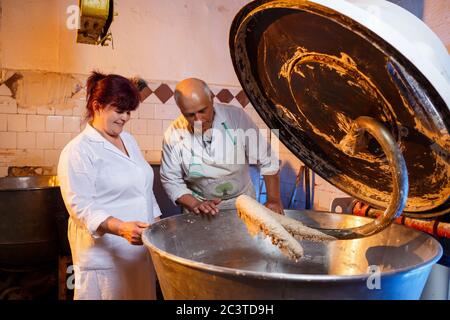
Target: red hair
[(111, 89)]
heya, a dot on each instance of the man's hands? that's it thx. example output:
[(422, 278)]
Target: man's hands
[(130, 230), (273, 193), (206, 207), (199, 207), (209, 207), (275, 206)]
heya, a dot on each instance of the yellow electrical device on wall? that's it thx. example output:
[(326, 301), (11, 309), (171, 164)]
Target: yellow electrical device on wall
[(96, 17)]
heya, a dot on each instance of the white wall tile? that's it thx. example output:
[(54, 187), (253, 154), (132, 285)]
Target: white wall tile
[(8, 105), (234, 91), (45, 140), (154, 127), (54, 124), (146, 111), (152, 84), (157, 142), (320, 181), (3, 122), (127, 126), (36, 123), (166, 111), (80, 108), (72, 124), (8, 140), (46, 110), (21, 159), (134, 114), (324, 200), (63, 111), (61, 139), (65, 106), (166, 124), (17, 122), (6, 156), (51, 157), (145, 142), (283, 148), (26, 110), (138, 126), (153, 156), (215, 89), (5, 91), (249, 108), (26, 140), (3, 171), (34, 157)]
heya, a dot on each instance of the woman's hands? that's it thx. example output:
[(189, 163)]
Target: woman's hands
[(129, 230), (132, 231)]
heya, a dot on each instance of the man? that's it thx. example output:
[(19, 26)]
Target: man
[(207, 152)]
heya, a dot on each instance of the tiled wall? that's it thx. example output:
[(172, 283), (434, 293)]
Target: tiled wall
[(35, 135)]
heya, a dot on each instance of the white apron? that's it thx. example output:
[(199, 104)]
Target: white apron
[(214, 174)]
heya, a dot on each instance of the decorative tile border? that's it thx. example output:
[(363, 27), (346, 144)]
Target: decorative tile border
[(164, 93)]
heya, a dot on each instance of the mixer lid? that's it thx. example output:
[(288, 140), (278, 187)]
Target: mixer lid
[(310, 71)]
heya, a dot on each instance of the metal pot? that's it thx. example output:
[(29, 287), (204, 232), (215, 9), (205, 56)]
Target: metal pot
[(33, 222), (200, 258)]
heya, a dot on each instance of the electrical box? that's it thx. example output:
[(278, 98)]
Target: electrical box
[(95, 19)]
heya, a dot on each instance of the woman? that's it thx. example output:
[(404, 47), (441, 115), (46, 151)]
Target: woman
[(107, 188)]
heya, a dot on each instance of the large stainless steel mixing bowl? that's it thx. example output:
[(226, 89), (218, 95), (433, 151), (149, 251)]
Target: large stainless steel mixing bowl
[(200, 258)]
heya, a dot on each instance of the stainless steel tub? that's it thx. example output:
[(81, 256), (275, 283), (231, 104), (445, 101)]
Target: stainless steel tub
[(200, 258)]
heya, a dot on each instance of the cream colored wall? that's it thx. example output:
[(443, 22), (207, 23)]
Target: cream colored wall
[(437, 16), (159, 40)]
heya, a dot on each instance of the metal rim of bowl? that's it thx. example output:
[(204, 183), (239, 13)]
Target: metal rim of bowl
[(283, 276)]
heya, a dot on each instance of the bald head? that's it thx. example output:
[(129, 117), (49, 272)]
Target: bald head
[(195, 100), (192, 91)]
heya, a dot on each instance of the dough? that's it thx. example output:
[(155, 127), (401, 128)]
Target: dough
[(279, 228)]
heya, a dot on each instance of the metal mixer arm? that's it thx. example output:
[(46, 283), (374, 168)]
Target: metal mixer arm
[(351, 144)]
